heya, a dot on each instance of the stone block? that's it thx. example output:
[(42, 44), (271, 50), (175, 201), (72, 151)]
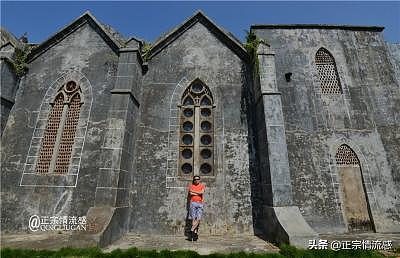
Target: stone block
[(105, 196), (51, 180), (107, 178), (287, 225), (282, 194)]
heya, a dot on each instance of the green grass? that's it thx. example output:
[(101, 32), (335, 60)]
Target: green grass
[(286, 251), (290, 251)]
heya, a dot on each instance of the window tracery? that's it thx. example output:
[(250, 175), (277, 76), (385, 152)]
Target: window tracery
[(56, 149), (196, 131)]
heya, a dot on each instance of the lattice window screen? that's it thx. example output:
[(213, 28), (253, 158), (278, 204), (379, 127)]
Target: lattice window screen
[(345, 156), (68, 136), (327, 72), (60, 131), (50, 134)]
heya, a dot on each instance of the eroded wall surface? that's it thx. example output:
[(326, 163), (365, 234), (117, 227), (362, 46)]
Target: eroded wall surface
[(82, 56), (9, 85), (366, 117), (160, 204), (148, 186)]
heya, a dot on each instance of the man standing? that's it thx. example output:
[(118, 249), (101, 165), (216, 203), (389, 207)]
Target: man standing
[(196, 191)]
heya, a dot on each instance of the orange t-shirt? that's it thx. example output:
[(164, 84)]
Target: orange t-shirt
[(197, 188)]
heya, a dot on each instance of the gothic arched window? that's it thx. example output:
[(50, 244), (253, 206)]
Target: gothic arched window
[(196, 131), (353, 195), (55, 152), (327, 72), (345, 156)]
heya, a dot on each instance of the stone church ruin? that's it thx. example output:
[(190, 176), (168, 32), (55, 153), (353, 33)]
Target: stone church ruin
[(297, 137)]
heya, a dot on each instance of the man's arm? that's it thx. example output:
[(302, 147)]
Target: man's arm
[(198, 192), (194, 193)]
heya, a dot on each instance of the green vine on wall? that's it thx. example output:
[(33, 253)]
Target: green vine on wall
[(251, 46), (146, 51), (20, 60)]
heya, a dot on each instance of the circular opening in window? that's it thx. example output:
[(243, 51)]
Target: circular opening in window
[(187, 153), (205, 153), (197, 88), (205, 102), (71, 86), (187, 126), (205, 168), (205, 112), (187, 168), (205, 139), (188, 112), (205, 126), (187, 139)]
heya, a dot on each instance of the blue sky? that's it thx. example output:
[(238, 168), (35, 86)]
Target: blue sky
[(149, 20)]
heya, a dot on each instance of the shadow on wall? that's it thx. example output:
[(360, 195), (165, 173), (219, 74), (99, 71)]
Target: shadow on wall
[(248, 109), (188, 222)]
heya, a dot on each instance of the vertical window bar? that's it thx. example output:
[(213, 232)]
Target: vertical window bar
[(196, 139), (68, 136)]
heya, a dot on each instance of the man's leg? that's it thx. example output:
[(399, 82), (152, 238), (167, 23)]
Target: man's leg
[(198, 225), (199, 215), (195, 224)]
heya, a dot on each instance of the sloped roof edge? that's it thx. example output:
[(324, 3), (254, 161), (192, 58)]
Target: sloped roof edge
[(317, 26), (86, 17), (8, 43), (9, 38), (135, 39), (231, 42), (140, 42)]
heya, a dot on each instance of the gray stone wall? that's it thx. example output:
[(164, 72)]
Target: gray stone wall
[(9, 84), (366, 117), (394, 56), (124, 166), (82, 56), (160, 204)]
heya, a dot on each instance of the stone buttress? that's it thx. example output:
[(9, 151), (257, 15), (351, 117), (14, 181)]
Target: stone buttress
[(283, 221)]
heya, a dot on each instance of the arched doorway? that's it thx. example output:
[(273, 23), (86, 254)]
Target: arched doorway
[(354, 198)]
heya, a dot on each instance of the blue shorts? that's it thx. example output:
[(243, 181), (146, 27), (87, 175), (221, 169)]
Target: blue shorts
[(196, 210)]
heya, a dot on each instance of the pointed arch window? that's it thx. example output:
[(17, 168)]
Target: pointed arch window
[(196, 152), (345, 156), (56, 149), (327, 72), (354, 198)]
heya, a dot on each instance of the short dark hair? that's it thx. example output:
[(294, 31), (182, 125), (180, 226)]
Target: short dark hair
[(196, 177)]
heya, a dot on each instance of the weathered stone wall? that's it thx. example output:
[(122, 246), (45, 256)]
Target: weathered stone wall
[(124, 166), (82, 56), (366, 117), (394, 57), (160, 204), (9, 84)]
